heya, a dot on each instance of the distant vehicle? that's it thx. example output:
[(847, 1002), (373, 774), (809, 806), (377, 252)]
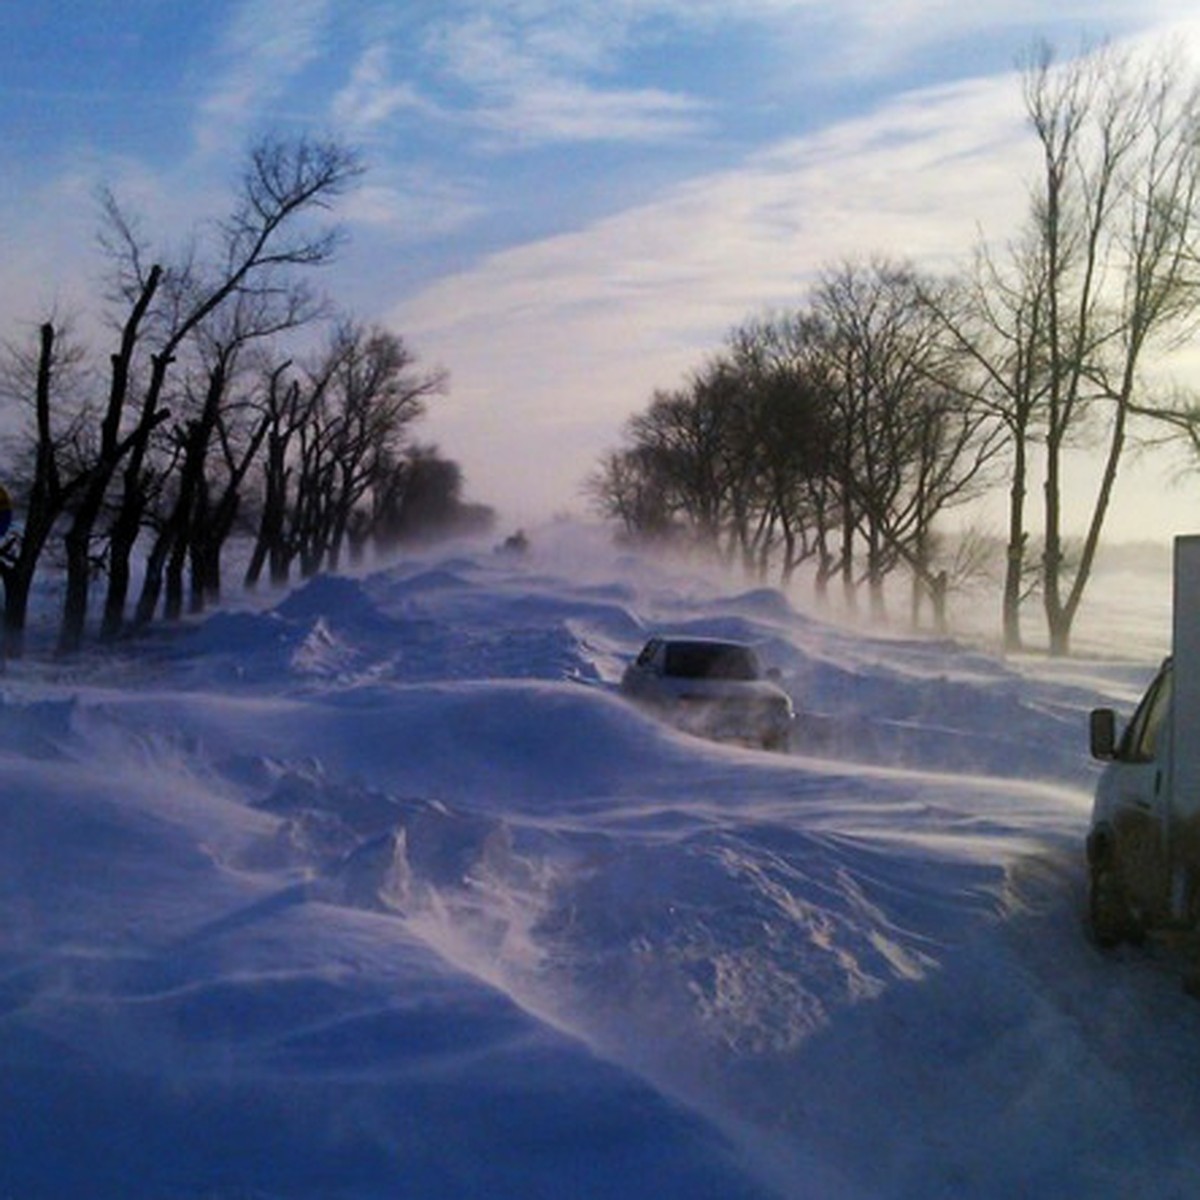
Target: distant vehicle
[(1143, 847), (516, 543), (713, 688)]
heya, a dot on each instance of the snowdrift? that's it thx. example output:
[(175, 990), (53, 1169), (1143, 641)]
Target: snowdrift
[(381, 890)]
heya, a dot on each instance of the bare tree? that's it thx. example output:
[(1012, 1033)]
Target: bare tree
[(844, 422), (994, 322), (674, 447), (789, 433), (1113, 219), (333, 436), (419, 496), (265, 234), (625, 488), (378, 393), (285, 411), (55, 451), (112, 448), (219, 429), (915, 443), (241, 431)]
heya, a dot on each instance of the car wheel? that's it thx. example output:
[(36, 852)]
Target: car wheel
[(1111, 919)]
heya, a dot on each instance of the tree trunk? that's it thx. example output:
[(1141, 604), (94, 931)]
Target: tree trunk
[(938, 591), (122, 539), (849, 593), (75, 596), (45, 504), (128, 523), (17, 586), (112, 450), (1052, 557), (152, 581), (1014, 565)]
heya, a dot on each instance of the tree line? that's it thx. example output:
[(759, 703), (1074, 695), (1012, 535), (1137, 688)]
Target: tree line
[(841, 433), (208, 418)]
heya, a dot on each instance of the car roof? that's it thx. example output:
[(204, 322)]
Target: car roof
[(699, 640)]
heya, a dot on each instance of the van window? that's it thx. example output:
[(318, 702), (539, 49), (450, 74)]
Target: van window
[(1140, 743)]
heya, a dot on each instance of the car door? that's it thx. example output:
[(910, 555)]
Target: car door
[(1139, 812)]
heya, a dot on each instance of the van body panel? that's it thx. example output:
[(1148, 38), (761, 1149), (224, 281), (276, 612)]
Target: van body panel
[(1185, 649), (1132, 807), (1146, 816)]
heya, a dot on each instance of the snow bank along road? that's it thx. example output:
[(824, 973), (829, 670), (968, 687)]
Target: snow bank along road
[(383, 892)]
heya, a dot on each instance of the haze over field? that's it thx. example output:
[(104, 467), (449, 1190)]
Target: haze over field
[(566, 205), (378, 889)]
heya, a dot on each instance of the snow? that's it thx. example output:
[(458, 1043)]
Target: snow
[(378, 889)]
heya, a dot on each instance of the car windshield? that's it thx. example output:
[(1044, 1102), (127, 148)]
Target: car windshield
[(705, 660)]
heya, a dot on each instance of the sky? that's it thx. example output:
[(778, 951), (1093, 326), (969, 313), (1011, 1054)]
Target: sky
[(566, 206)]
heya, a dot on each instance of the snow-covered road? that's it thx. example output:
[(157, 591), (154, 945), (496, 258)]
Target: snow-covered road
[(382, 891)]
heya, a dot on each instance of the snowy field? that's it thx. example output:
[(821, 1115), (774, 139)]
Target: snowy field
[(379, 890)]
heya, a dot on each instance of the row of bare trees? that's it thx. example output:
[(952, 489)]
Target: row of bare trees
[(890, 397), (835, 435), (208, 413)]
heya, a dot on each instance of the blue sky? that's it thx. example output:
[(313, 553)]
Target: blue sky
[(567, 204)]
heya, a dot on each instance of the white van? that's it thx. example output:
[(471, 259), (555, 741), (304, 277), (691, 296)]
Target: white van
[(1143, 846)]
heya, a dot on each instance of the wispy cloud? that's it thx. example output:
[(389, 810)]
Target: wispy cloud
[(881, 37), (529, 335), (559, 110), (865, 40), (371, 98), (410, 206), (918, 178), (266, 46), (545, 81)]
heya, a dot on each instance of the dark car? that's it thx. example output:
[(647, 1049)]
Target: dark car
[(712, 687)]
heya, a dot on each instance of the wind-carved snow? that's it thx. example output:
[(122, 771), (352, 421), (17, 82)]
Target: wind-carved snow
[(384, 882)]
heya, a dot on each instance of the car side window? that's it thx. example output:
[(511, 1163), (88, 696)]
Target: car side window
[(647, 655), (1140, 743)]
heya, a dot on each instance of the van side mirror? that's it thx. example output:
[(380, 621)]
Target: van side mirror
[(1102, 733)]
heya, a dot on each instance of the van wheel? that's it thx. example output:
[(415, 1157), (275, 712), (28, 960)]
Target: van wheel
[(1112, 920)]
